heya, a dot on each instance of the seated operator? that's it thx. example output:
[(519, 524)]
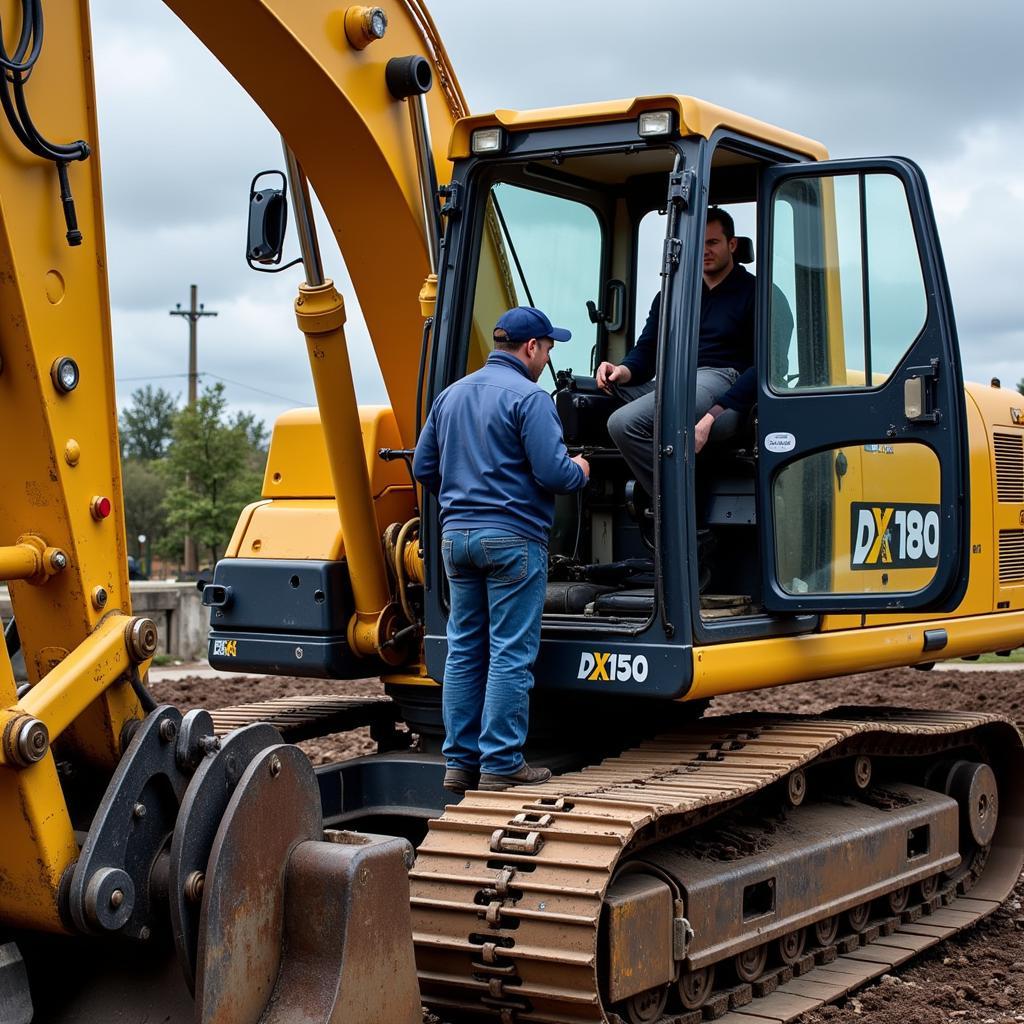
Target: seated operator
[(726, 384)]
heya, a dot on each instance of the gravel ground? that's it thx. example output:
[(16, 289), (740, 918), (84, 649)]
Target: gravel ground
[(976, 977)]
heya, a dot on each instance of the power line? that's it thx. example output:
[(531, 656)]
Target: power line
[(217, 376), (149, 376), (249, 387), (207, 373)]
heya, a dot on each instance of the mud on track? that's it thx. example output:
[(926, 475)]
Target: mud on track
[(976, 977)]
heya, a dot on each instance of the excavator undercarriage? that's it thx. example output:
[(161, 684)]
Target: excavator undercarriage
[(787, 859)]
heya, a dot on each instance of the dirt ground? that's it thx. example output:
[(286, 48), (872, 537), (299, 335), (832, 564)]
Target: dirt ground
[(974, 978)]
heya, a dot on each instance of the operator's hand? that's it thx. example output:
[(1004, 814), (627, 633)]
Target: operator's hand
[(583, 464), (702, 431), (609, 374)]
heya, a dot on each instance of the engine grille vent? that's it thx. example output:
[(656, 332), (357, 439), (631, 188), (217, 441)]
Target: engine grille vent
[(1011, 556), (1009, 466)]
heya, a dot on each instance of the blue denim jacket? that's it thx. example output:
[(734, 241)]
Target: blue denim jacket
[(492, 449)]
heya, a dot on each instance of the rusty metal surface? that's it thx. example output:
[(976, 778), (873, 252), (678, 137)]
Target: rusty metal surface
[(199, 819), (826, 859), (348, 935), (275, 806), (508, 888), (638, 935), (300, 718)]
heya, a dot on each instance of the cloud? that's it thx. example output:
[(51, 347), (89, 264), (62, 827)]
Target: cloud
[(180, 141)]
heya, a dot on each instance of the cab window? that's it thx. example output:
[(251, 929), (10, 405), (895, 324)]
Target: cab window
[(543, 250)]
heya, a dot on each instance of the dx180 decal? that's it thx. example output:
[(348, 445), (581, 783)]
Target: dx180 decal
[(897, 536)]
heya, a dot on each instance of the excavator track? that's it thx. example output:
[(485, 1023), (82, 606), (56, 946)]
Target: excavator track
[(301, 718), (509, 888)]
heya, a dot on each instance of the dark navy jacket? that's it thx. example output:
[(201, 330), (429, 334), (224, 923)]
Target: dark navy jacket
[(492, 449), (726, 335)]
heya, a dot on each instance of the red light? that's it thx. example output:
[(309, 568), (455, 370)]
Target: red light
[(100, 507)]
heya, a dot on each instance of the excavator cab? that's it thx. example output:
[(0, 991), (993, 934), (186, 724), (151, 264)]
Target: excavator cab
[(841, 492)]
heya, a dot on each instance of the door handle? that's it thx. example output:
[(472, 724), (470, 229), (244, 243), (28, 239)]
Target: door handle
[(919, 390)]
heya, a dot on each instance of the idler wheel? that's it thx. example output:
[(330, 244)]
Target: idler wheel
[(796, 788), (858, 917), (826, 930), (973, 787), (862, 772), (791, 947), (928, 887), (646, 1007), (695, 986), (750, 964)]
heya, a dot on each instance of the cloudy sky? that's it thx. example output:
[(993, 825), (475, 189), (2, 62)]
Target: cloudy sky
[(922, 78)]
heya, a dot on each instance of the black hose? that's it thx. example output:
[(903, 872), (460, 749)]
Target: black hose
[(145, 697), (15, 71), (11, 637)]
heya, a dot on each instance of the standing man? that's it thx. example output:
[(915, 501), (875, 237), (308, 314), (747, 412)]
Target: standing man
[(492, 450), (725, 381)]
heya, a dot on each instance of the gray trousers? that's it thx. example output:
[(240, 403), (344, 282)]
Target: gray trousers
[(632, 426)]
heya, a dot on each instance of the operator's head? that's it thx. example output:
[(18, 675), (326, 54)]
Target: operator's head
[(529, 335), (719, 243)]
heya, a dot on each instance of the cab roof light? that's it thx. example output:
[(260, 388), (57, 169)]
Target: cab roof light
[(487, 140), (653, 123)]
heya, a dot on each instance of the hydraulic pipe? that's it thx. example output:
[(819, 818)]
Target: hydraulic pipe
[(30, 559), (427, 177), (309, 245), (410, 78), (320, 312), (19, 562)]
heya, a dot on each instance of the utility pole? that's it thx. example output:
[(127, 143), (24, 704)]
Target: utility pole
[(193, 313)]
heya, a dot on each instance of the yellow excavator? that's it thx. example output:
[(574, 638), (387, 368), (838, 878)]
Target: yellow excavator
[(675, 868)]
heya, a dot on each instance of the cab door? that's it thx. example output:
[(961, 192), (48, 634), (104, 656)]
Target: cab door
[(862, 435)]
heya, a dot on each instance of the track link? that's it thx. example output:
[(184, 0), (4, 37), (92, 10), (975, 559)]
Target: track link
[(300, 718), (508, 888)]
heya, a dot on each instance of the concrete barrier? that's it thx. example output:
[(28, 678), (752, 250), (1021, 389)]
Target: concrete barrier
[(176, 608)]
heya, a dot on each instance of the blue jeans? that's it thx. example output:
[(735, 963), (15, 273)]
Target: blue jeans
[(497, 583)]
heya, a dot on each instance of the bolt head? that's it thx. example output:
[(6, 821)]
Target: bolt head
[(139, 811), (116, 899), (99, 597), (59, 561), (141, 639), (194, 886), (33, 741), (275, 766), (168, 730)]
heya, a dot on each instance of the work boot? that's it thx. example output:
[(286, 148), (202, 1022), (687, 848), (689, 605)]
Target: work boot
[(458, 780), (526, 776)]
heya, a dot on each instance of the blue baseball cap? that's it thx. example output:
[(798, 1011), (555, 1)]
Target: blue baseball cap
[(521, 323)]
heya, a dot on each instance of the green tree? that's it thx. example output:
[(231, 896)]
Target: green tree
[(214, 467), (145, 489), (147, 423)]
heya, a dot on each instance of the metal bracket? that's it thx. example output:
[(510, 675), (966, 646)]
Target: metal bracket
[(680, 187), (110, 888), (451, 195), (682, 933), (671, 254)]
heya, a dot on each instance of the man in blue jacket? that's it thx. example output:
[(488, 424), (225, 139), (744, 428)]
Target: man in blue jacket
[(492, 450)]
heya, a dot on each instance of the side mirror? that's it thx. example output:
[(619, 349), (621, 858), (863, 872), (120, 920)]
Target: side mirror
[(268, 223)]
